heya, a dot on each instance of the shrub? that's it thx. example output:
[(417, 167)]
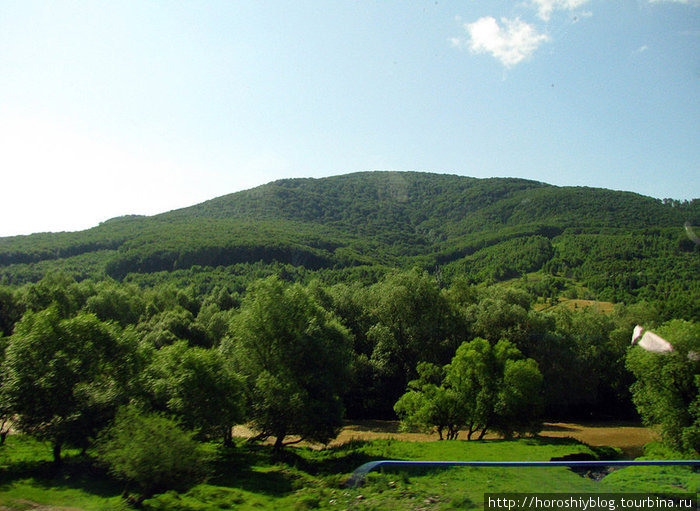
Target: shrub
[(151, 451)]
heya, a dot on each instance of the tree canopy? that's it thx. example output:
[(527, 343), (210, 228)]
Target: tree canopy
[(294, 358), (621, 246), (483, 387), (63, 377), (667, 387)]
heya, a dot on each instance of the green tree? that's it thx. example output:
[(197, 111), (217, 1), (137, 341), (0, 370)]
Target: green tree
[(581, 356), (293, 357), (10, 310), (410, 321), (151, 451), (171, 325), (502, 313), (519, 399), (115, 302), (500, 390), (667, 389), (214, 322), (54, 288), (197, 386), (484, 387), (5, 409), (473, 374), (429, 405), (63, 378)]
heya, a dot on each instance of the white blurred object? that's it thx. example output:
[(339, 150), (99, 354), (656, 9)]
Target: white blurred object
[(650, 341), (691, 234), (655, 343)]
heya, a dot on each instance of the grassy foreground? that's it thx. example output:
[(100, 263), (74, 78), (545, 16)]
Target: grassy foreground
[(251, 477)]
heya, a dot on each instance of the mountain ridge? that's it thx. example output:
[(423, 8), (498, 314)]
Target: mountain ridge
[(486, 229)]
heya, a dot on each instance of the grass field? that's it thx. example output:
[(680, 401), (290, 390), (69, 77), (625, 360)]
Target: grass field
[(630, 438), (576, 304), (251, 477)]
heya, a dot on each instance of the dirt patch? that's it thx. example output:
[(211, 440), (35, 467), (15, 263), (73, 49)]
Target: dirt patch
[(628, 437), (362, 430)]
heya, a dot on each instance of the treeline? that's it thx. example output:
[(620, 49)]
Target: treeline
[(656, 267), (621, 247), (404, 319), (119, 367)]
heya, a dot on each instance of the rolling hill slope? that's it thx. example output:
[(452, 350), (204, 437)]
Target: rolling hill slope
[(623, 246)]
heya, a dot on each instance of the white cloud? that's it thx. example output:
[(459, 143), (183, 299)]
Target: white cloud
[(512, 43), (545, 8)]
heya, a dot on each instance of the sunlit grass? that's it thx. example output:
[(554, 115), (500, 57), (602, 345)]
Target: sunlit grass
[(252, 477)]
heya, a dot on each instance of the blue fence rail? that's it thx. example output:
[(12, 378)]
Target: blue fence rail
[(359, 474)]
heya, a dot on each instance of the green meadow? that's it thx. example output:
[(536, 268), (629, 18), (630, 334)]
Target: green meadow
[(253, 477)]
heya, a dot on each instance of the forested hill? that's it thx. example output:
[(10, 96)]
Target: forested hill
[(619, 245)]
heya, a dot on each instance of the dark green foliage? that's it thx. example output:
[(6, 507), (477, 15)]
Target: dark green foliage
[(622, 246), (396, 323), (56, 289), (197, 386), (581, 356), (667, 389), (429, 404), (151, 452), (113, 302), (507, 259), (484, 387), (63, 378), (410, 321), (6, 412), (172, 325), (293, 357), (498, 388), (518, 408), (10, 310), (399, 259)]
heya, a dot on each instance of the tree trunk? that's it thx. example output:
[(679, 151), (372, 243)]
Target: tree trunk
[(57, 454), (470, 431), (263, 435), (483, 432), (228, 437), (279, 442), (3, 435)]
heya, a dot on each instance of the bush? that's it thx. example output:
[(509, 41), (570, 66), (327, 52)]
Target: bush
[(151, 451), (667, 390)]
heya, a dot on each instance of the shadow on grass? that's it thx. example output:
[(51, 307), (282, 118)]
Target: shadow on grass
[(257, 468), (79, 473), (248, 467), (235, 468), (529, 440)]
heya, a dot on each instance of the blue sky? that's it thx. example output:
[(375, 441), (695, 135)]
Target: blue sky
[(134, 107)]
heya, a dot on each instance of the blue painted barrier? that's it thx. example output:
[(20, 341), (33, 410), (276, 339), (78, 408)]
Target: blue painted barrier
[(359, 474)]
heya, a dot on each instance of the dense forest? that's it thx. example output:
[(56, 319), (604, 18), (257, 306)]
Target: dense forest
[(606, 245), (434, 298)]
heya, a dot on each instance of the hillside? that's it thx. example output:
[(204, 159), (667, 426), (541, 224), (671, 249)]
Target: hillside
[(621, 246)]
